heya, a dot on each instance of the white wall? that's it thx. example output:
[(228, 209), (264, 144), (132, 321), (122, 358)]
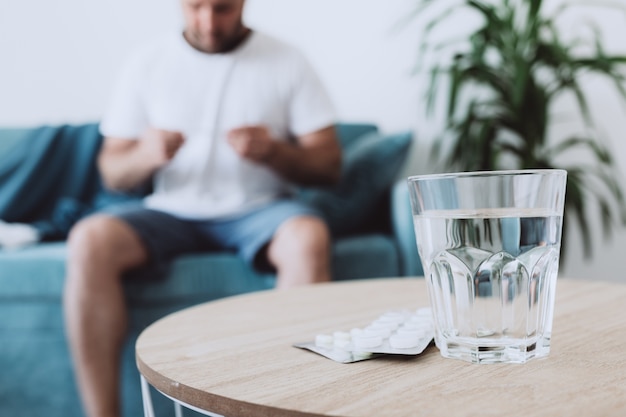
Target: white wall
[(58, 60)]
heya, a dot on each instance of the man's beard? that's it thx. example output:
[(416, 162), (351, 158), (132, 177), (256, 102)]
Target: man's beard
[(218, 44)]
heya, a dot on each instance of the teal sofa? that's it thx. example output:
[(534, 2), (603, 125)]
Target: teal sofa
[(48, 179)]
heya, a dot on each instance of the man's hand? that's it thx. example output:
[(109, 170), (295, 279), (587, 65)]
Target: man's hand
[(313, 158), (160, 146), (125, 163), (252, 142)]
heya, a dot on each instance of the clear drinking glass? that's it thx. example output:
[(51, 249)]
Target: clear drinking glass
[(489, 243)]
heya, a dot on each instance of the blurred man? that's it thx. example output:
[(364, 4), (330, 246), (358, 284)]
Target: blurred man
[(221, 119)]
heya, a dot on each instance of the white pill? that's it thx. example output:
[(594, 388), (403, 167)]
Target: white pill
[(323, 340), (403, 342), (341, 335), (382, 332), (341, 343), (364, 341), (413, 332), (356, 332)]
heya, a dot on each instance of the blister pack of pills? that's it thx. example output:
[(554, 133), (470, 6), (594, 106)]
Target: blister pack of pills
[(398, 332)]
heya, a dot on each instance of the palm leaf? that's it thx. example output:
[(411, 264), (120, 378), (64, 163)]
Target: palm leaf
[(592, 144)]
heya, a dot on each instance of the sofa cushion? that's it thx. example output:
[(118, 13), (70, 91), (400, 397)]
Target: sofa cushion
[(33, 271), (349, 133), (49, 177), (370, 166), (37, 273), (51, 163), (10, 139)]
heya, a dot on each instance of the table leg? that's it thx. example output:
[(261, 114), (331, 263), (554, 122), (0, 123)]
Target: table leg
[(148, 408)]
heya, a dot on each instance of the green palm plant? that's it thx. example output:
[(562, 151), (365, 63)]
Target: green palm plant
[(502, 81)]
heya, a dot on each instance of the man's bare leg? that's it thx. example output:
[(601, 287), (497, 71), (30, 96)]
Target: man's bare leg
[(300, 251), (101, 248)]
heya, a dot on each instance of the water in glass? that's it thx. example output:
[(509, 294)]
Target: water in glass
[(492, 276)]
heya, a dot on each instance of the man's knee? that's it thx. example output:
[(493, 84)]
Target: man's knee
[(104, 240), (301, 237)]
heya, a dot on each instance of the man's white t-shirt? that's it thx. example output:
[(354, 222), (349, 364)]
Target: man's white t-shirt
[(172, 86)]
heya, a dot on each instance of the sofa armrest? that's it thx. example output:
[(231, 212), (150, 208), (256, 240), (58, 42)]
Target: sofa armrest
[(402, 227)]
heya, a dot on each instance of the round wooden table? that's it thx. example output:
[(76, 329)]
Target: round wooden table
[(235, 357)]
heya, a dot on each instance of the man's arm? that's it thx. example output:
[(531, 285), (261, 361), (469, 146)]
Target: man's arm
[(127, 163), (315, 158)]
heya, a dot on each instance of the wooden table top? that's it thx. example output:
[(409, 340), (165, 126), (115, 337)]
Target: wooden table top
[(235, 357)]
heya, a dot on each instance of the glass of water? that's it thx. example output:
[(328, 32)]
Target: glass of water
[(489, 243)]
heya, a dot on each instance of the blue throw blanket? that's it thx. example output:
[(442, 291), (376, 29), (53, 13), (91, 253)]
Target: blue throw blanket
[(49, 177)]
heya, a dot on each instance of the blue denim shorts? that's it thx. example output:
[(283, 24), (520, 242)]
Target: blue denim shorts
[(166, 236)]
